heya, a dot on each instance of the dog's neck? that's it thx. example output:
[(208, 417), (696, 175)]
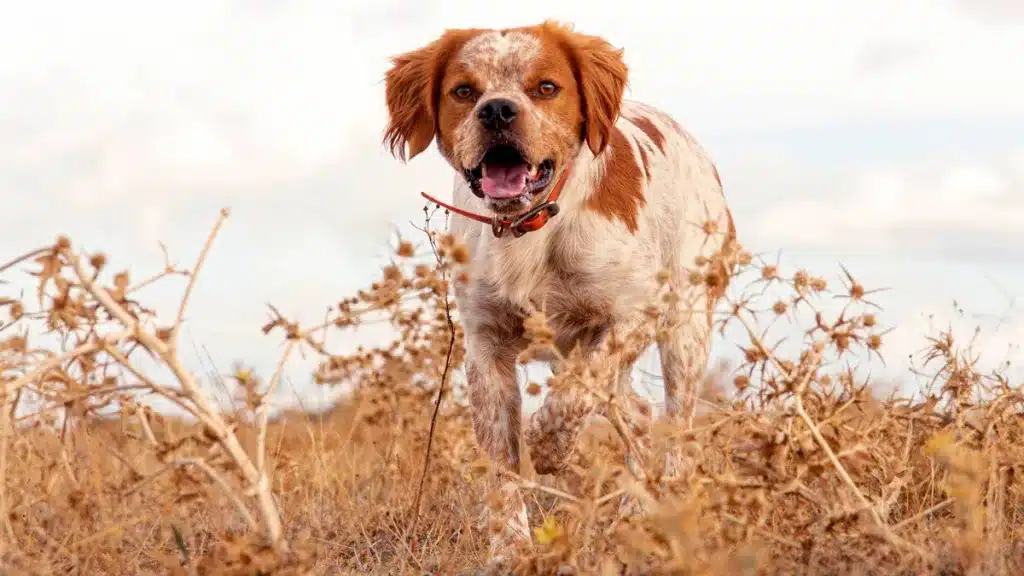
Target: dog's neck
[(586, 169)]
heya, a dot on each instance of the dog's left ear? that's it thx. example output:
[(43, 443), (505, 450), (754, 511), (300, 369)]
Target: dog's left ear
[(602, 76), (411, 91)]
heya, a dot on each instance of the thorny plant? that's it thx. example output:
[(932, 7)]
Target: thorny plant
[(796, 465)]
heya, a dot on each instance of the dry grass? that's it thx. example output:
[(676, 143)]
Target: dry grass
[(796, 469)]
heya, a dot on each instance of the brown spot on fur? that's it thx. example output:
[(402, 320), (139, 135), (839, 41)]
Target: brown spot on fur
[(620, 194), (650, 130), (669, 120), (645, 160)]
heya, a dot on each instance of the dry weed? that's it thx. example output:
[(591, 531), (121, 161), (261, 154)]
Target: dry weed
[(797, 469)]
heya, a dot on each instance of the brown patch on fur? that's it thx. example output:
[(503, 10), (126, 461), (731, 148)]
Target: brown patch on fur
[(669, 120), (412, 91), (620, 193), (650, 130), (646, 161)]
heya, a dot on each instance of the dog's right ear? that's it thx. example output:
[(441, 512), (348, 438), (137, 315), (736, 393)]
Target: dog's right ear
[(411, 91), (603, 79)]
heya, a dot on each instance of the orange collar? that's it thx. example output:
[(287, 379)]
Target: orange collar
[(533, 220)]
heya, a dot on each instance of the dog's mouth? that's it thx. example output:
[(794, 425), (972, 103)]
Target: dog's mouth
[(505, 177)]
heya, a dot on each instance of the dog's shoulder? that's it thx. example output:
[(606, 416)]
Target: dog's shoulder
[(657, 135), (670, 156)]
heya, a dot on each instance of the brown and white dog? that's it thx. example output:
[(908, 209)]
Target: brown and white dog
[(526, 116)]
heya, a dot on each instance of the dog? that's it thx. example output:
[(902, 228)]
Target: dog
[(569, 198)]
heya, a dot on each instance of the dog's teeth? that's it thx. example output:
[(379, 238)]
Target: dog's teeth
[(483, 170), (533, 171)]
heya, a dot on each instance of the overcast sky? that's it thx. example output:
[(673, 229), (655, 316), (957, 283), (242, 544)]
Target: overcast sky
[(885, 135)]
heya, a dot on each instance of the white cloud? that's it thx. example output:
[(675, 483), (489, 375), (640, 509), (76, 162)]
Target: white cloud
[(152, 106), (889, 55), (993, 11), (124, 123), (910, 208)]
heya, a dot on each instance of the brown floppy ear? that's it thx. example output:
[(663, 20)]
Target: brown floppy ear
[(407, 91), (602, 76), (411, 91)]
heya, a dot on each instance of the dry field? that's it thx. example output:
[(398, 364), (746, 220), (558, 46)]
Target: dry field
[(795, 467)]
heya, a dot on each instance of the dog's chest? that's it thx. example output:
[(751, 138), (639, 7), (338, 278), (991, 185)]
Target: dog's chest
[(573, 287)]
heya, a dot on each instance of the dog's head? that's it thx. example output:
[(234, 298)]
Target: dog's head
[(509, 108)]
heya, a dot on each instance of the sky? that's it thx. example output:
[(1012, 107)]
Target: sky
[(886, 136)]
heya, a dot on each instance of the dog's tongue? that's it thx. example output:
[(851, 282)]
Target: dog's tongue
[(504, 181)]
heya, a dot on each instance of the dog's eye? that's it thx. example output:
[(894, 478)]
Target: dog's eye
[(463, 92), (547, 89)]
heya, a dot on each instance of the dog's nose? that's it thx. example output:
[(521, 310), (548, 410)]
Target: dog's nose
[(497, 114)]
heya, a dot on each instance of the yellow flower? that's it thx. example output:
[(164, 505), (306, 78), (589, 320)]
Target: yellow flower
[(938, 443), (548, 532)]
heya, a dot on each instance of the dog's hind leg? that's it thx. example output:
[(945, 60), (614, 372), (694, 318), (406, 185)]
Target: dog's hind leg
[(684, 344), (633, 413)]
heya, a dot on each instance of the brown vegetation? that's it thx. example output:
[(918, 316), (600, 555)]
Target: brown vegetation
[(795, 467)]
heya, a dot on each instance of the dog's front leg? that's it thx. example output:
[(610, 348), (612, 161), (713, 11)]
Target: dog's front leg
[(495, 403)]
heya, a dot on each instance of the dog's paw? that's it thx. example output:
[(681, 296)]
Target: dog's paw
[(507, 523), (553, 431), (550, 445)]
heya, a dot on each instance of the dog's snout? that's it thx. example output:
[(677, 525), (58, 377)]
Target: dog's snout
[(497, 114)]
